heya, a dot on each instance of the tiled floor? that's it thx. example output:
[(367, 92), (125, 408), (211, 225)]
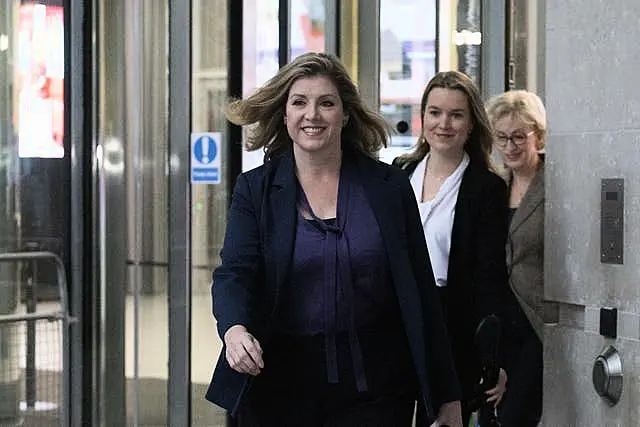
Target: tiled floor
[(45, 401), (153, 353), (153, 358), (153, 336)]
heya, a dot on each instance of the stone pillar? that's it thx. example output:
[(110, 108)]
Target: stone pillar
[(592, 59)]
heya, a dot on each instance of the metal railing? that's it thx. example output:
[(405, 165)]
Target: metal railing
[(50, 325)]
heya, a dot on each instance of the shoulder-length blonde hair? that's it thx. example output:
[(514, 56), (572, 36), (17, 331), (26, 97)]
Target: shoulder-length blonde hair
[(523, 105), (365, 131), (479, 143)]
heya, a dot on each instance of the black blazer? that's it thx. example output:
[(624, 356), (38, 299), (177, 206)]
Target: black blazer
[(256, 260), (477, 273)]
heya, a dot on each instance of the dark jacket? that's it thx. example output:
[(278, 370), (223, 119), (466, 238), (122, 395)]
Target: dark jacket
[(477, 274), (256, 261)]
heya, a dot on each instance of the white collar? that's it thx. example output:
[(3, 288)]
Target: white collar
[(417, 178)]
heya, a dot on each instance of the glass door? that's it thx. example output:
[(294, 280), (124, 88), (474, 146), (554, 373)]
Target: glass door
[(524, 45), (236, 47), (394, 47), (166, 161), (130, 292), (408, 45), (35, 206), (209, 200)]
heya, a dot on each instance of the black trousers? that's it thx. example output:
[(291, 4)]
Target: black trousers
[(383, 412), (466, 358), (292, 390), (522, 402)]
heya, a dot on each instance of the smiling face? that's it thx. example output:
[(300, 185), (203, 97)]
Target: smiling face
[(314, 115), (447, 121), (521, 148)]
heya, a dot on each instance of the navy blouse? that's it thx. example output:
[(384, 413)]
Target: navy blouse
[(340, 279)]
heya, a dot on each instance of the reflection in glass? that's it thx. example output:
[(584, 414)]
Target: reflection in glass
[(468, 38), (522, 46), (307, 19), (39, 76), (260, 27), (140, 158), (34, 209), (407, 63), (260, 50), (261, 44)]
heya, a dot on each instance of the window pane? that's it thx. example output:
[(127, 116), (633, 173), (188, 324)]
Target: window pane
[(307, 26), (407, 62), (39, 78), (260, 50), (34, 209), (209, 201), (467, 38), (522, 44)]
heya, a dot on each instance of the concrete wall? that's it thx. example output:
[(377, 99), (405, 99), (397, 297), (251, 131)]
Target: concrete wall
[(592, 60)]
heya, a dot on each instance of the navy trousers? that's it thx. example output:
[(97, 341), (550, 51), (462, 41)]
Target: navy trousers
[(292, 390)]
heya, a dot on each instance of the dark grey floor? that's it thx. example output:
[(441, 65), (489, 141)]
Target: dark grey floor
[(152, 404), (153, 411), (47, 390)]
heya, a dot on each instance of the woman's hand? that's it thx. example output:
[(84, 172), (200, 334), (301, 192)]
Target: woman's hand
[(450, 415), (495, 394), (244, 353)]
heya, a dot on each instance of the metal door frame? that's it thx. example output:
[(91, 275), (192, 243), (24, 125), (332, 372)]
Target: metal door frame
[(494, 67), (369, 53), (81, 24), (90, 383), (179, 201)]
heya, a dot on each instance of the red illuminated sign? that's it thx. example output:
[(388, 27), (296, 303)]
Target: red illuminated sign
[(40, 81)]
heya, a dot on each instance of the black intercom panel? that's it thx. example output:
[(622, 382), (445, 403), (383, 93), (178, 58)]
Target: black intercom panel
[(612, 221)]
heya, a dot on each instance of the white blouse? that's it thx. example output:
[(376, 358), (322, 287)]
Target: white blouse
[(437, 216)]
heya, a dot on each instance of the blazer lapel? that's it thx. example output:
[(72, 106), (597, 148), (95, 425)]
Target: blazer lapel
[(282, 222), (459, 230), (386, 203), (531, 200), (383, 198)]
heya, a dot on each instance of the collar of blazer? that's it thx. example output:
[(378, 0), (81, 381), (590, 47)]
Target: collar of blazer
[(284, 167), (531, 200), (285, 174)]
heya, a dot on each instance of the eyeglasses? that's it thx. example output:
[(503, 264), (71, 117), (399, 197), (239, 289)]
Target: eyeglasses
[(517, 138)]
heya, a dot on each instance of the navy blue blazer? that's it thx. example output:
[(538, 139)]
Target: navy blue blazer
[(256, 260), (477, 272)]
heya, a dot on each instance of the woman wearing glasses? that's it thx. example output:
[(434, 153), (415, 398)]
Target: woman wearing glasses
[(463, 208), (519, 123)]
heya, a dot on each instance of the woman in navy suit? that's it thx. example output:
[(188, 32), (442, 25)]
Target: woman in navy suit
[(325, 298), (463, 210)]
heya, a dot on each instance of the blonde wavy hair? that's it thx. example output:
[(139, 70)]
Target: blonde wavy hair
[(523, 105), (366, 131)]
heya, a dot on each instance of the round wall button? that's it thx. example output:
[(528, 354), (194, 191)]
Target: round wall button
[(607, 375)]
